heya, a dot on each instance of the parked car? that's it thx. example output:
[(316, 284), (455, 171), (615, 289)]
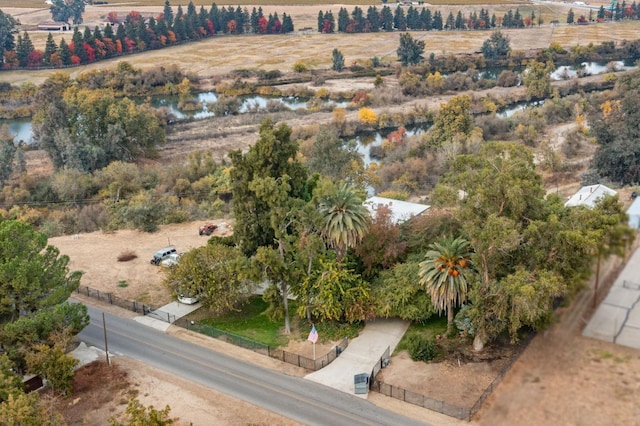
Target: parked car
[(207, 229), (171, 260), (188, 300), (162, 255)]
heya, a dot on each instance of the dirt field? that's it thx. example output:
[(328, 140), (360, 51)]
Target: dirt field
[(96, 253)]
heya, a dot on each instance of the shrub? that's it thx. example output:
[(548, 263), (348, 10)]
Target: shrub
[(300, 66), (126, 256), (421, 348), (367, 116)]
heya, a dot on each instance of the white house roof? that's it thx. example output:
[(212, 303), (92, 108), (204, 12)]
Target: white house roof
[(589, 195), (634, 208), (400, 210)]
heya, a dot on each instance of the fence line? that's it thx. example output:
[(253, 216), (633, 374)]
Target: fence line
[(234, 339), (451, 410), (380, 364), (131, 305)]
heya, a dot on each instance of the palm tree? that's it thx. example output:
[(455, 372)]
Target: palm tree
[(345, 220), (443, 273)]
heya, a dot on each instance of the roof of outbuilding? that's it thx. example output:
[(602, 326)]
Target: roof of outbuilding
[(589, 195), (400, 210)]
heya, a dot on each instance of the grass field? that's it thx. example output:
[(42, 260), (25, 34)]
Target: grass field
[(207, 3)]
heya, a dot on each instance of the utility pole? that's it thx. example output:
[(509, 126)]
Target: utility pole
[(106, 346)]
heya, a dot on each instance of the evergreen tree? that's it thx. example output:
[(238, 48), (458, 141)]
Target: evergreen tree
[(425, 19), (459, 24), (320, 21), (436, 22), (49, 49), (24, 46), (108, 32), (451, 22), (168, 14), (78, 46), (601, 13), (7, 41), (399, 20), (373, 17), (343, 20), (65, 53), (338, 60), (387, 18), (287, 24), (410, 50), (570, 17)]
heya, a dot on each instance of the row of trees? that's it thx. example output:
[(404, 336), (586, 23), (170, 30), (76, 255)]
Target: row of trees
[(619, 12), (418, 19), (135, 34)]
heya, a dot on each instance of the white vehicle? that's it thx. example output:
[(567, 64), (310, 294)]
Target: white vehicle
[(171, 260), (188, 300)]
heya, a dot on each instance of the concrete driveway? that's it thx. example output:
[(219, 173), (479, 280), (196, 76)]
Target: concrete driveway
[(361, 355), (617, 319)]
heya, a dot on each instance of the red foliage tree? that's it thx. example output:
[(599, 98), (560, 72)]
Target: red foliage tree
[(210, 28), (327, 26), (75, 59), (10, 59), (34, 59), (118, 46), (91, 52), (134, 16), (112, 17), (130, 45), (277, 26), (262, 25)]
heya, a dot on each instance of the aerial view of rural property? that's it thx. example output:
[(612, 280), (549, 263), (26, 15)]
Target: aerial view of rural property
[(286, 212)]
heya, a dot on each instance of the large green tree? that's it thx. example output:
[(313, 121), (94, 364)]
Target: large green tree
[(87, 129), (616, 128), (215, 273), (65, 10), (496, 46), (333, 157), (444, 272), (537, 80), (35, 284), (274, 156), (410, 50)]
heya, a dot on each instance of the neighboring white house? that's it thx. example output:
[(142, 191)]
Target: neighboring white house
[(589, 195), (400, 210), (634, 214)]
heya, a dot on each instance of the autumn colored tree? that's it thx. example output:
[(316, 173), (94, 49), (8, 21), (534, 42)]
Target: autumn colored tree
[(367, 116), (381, 246)]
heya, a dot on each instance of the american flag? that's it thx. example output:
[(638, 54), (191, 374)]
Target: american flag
[(313, 335)]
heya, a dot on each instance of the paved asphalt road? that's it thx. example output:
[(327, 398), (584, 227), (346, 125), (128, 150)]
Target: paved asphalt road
[(301, 400)]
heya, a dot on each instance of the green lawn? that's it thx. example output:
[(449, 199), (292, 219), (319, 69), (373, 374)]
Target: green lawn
[(251, 323), (428, 329)]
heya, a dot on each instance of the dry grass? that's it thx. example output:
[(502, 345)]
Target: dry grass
[(248, 3)]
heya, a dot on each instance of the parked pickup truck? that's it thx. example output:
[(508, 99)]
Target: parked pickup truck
[(207, 229)]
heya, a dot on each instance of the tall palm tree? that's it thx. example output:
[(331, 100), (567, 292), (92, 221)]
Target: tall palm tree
[(444, 274), (345, 219)]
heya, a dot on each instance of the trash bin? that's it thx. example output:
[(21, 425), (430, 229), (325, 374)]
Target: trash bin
[(361, 383)]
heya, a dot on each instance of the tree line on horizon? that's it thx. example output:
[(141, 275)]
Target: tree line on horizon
[(134, 33)]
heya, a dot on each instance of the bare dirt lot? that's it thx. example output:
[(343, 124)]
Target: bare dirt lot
[(96, 255)]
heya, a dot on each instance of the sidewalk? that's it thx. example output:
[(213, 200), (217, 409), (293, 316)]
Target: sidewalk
[(361, 355), (161, 318), (617, 319)]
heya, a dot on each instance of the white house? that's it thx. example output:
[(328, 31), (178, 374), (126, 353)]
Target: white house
[(589, 195), (634, 214), (400, 210)]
